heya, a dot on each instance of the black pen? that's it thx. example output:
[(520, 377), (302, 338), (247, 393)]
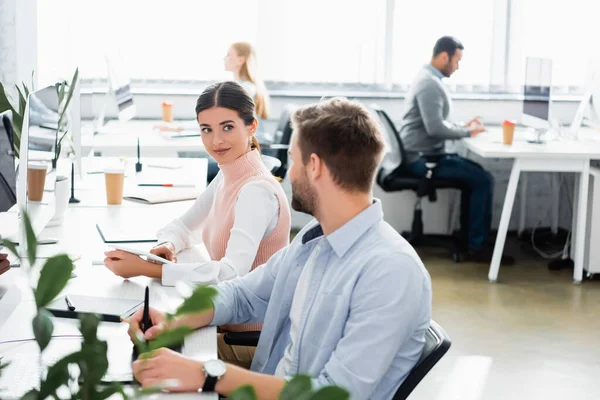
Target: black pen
[(146, 322), (70, 305)]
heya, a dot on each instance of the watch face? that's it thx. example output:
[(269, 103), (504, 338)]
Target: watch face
[(215, 368)]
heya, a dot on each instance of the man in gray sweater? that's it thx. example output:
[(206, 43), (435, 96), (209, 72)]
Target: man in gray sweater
[(425, 129)]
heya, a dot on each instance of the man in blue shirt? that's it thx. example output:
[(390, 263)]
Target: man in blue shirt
[(347, 302)]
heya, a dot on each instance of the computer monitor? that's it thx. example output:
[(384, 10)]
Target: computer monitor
[(36, 178), (119, 87), (588, 112), (536, 93)]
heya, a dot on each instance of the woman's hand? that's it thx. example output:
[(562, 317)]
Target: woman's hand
[(169, 370), (4, 263), (165, 250), (129, 265)]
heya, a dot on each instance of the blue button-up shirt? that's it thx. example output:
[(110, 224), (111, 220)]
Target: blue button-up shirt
[(435, 71), (365, 313)]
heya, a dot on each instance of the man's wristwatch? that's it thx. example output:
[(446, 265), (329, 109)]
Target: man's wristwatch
[(213, 370)]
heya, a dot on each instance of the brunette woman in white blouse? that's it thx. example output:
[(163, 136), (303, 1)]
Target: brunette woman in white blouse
[(242, 217)]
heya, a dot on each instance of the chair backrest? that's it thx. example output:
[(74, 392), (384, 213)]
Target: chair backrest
[(8, 176), (437, 343), (283, 135), (395, 154)]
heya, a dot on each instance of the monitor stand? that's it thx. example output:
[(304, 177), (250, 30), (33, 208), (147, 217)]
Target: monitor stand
[(538, 136)]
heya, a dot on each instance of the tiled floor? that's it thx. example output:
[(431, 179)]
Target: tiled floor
[(532, 335)]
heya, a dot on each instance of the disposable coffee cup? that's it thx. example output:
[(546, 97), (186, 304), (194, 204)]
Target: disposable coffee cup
[(508, 132), (36, 180), (114, 178)]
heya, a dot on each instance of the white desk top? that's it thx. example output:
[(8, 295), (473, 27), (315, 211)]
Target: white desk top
[(120, 139), (489, 145), (79, 237)]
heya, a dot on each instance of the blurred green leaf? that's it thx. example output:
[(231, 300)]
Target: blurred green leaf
[(53, 278), (42, 328), (200, 300), (299, 385), (245, 392), (2, 366), (31, 239), (109, 391), (25, 90), (33, 394), (147, 391), (10, 246), (58, 375), (22, 101), (5, 103), (331, 393), (60, 91), (89, 328), (71, 89), (170, 337), (94, 362)]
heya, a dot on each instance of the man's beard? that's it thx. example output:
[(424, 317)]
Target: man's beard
[(303, 197)]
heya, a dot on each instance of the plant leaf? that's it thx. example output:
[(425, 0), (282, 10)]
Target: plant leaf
[(5, 103), (71, 89), (33, 394), (60, 91), (94, 362), (169, 338), (109, 391), (11, 246), (200, 300), (31, 239), (331, 393), (53, 278), (58, 375), (2, 366), (147, 391), (22, 101), (25, 90), (299, 385), (89, 328), (42, 328), (245, 392)]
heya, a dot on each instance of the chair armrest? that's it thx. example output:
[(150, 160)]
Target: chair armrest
[(274, 146), (242, 338)]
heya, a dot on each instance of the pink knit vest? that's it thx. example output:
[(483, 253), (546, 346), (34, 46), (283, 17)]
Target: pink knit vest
[(217, 227)]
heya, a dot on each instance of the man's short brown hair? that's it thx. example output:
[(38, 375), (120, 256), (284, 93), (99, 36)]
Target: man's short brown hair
[(346, 136)]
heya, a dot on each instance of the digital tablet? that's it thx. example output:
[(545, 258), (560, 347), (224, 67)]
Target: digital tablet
[(142, 253)]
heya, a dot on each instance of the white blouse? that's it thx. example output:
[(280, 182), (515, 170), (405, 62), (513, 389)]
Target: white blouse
[(256, 216)]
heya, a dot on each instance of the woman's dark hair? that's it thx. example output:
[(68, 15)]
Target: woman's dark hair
[(230, 95)]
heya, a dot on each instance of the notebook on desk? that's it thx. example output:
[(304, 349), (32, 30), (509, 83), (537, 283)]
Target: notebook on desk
[(158, 195)]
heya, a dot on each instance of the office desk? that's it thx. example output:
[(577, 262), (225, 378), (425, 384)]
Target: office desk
[(78, 235), (119, 139), (553, 156)]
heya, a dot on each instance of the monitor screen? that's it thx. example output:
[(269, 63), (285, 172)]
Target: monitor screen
[(536, 91)]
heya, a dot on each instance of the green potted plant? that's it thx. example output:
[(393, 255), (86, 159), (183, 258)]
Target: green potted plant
[(64, 92)]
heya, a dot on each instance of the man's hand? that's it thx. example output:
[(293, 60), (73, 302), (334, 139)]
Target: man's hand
[(476, 126), (474, 121), (129, 265), (157, 318), (169, 370), (4, 263), (477, 130)]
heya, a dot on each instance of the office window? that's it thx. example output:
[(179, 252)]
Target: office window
[(322, 41), (418, 24), (563, 31), (177, 40), (297, 41)]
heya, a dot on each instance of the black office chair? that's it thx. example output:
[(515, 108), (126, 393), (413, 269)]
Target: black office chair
[(278, 144), (394, 176), (437, 343)]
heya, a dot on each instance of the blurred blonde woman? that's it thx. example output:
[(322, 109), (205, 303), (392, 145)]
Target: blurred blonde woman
[(241, 61)]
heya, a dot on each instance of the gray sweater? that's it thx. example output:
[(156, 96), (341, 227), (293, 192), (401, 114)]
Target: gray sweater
[(424, 126)]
